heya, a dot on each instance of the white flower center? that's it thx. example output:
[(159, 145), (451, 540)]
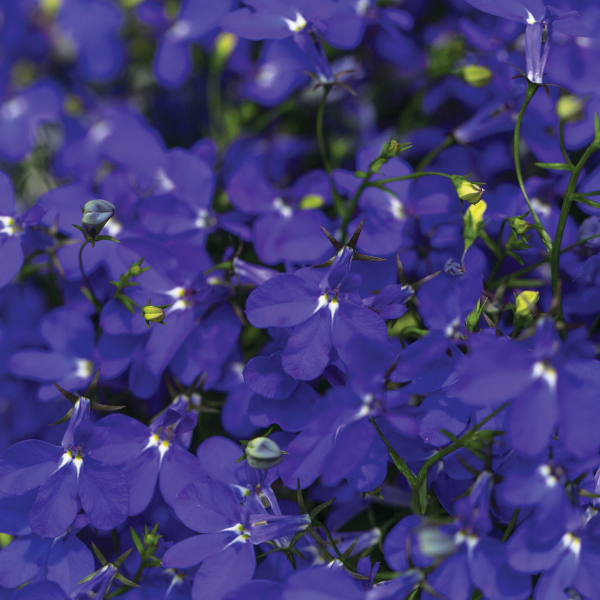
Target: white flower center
[(298, 24)]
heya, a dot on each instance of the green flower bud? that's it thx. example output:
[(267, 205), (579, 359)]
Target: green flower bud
[(473, 223), (476, 75), (570, 108), (525, 303), (154, 314), (311, 201), (519, 226), (263, 453), (467, 191), (224, 46)]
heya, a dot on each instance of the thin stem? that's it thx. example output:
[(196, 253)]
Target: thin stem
[(531, 90), (93, 298), (419, 489), (409, 176), (351, 207), (562, 221), (430, 156), (561, 137), (529, 268), (320, 134)]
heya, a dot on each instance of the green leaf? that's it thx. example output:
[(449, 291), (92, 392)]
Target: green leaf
[(554, 166), (400, 464), (108, 238), (301, 505), (315, 511), (136, 541), (126, 581)]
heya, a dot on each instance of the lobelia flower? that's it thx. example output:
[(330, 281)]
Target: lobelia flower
[(229, 532), (90, 29), (463, 553), (10, 233), (197, 21), (326, 311), (68, 479), (70, 335), (21, 116), (340, 441), (64, 560), (542, 21), (551, 385), (288, 223), (147, 454)]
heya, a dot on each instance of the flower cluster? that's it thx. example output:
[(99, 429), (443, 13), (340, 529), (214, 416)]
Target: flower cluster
[(332, 268)]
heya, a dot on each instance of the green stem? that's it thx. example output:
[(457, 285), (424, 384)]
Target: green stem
[(529, 268), (430, 156), (93, 298), (420, 488), (561, 137), (320, 134), (351, 207), (562, 221), (531, 90), (409, 176)]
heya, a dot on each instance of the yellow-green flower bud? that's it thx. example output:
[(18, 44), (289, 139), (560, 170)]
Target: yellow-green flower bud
[(519, 226), (473, 222), (224, 46), (468, 191), (311, 201), (476, 75), (154, 314), (570, 108), (525, 303), (263, 453), (50, 7)]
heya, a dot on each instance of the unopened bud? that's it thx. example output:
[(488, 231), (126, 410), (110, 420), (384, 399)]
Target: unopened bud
[(50, 7), (525, 303), (519, 226), (467, 191), (263, 453), (311, 201), (570, 108), (153, 313), (96, 214), (476, 75), (473, 222), (224, 46)]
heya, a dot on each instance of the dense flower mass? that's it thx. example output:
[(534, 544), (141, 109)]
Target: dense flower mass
[(309, 293)]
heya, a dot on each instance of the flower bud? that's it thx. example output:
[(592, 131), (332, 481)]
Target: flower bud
[(96, 214), (570, 108), (524, 304), (154, 314), (224, 46), (467, 191), (519, 226), (476, 75), (50, 7), (311, 201), (263, 453), (473, 223)]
